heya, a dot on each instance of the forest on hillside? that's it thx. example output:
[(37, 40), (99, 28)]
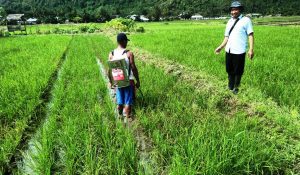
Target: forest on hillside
[(102, 10)]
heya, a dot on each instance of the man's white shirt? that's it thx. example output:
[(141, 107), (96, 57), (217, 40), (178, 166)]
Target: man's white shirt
[(238, 39)]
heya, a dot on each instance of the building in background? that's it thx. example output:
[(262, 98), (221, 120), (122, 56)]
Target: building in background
[(197, 17), (32, 21), (144, 18), (16, 22)]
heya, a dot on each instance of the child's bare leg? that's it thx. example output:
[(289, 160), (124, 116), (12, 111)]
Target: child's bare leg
[(127, 110)]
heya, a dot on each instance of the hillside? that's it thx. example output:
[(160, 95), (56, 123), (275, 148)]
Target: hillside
[(101, 10)]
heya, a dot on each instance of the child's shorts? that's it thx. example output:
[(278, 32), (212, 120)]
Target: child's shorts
[(125, 95)]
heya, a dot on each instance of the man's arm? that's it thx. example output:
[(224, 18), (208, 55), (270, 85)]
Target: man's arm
[(134, 69), (219, 49), (251, 46)]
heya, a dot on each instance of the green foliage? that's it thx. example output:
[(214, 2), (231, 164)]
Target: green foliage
[(267, 72), (102, 14), (201, 133), (83, 28), (121, 24), (155, 13), (91, 11), (56, 30), (64, 28), (192, 123), (75, 31), (1, 32), (47, 32), (77, 19), (22, 83), (2, 12), (91, 30), (38, 31), (80, 103), (2, 16), (140, 29)]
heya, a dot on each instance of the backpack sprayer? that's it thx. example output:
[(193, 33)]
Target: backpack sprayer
[(120, 73)]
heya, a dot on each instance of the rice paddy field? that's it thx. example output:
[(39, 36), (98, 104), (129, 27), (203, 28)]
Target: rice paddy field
[(57, 116)]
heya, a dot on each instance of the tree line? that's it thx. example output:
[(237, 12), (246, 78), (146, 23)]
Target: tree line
[(52, 11)]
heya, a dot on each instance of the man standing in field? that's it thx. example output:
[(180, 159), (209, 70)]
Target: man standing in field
[(124, 94), (238, 30)]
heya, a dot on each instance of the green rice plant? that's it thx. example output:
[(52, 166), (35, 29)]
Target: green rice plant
[(211, 142), (27, 63), (286, 20), (193, 134), (274, 70), (81, 136), (121, 24), (83, 28), (61, 28), (193, 131)]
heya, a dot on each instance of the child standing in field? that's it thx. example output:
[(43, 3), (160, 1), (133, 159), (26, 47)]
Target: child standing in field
[(124, 95)]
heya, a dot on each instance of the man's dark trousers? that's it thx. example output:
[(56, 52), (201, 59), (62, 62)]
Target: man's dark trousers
[(235, 64)]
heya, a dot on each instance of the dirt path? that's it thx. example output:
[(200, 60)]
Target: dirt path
[(144, 143)]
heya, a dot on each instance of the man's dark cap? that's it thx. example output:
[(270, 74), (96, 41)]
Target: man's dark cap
[(122, 37), (236, 4)]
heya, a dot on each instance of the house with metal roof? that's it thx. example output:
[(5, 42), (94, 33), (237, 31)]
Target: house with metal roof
[(16, 22), (32, 21), (197, 17)]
